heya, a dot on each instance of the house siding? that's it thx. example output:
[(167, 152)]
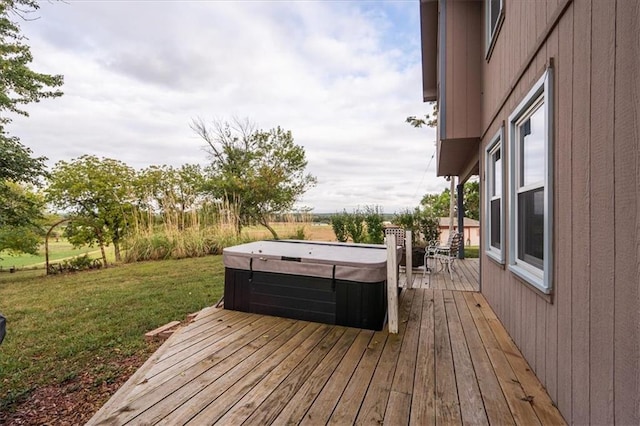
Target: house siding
[(583, 342), (463, 68)]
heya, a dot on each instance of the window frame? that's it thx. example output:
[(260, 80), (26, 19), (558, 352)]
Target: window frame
[(495, 144), (541, 92), (491, 31)]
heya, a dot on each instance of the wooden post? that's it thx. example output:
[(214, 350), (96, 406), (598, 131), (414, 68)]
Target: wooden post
[(409, 261), (392, 283), (460, 189), (452, 180)]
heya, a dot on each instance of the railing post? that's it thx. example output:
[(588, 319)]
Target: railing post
[(460, 190), (392, 283), (408, 247)]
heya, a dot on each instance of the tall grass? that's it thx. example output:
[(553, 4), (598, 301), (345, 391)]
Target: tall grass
[(176, 234)]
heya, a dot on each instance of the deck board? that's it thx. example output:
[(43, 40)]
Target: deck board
[(471, 405), (330, 395), (465, 277), (451, 362), (447, 403), (496, 406), (299, 404)]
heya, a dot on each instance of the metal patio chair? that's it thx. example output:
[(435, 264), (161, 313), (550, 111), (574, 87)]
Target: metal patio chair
[(445, 254)]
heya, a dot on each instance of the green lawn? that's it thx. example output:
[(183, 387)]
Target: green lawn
[(57, 250), (61, 326), (471, 251)]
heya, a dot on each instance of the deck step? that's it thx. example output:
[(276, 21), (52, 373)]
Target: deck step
[(162, 332)]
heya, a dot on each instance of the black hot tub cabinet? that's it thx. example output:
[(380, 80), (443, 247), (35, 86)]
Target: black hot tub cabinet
[(333, 283)]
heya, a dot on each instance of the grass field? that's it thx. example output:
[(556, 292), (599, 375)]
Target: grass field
[(57, 251), (89, 323), (64, 250), (288, 230)]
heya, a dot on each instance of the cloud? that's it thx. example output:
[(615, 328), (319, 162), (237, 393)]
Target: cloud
[(342, 76)]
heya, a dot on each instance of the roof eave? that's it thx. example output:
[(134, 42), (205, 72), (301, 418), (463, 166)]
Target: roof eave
[(429, 35)]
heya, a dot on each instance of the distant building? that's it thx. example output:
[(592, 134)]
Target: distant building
[(471, 230)]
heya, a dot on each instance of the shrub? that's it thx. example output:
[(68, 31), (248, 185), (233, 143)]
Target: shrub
[(299, 234), (355, 226), (429, 226), (339, 225), (373, 219), (423, 227)]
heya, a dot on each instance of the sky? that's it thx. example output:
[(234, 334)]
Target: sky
[(342, 76)]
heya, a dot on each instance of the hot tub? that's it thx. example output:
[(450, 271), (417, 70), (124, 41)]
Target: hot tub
[(333, 283)]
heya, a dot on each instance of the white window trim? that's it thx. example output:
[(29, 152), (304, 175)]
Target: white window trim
[(541, 279), (491, 31), (495, 144)]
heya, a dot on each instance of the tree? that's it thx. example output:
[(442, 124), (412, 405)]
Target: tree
[(170, 192), (437, 205), (471, 200), (20, 218), (20, 85), (428, 120), (98, 195), (260, 172), (20, 209)]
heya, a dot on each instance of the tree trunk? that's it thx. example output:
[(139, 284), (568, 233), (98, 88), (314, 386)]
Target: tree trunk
[(264, 223), (101, 244), (104, 255), (116, 250)]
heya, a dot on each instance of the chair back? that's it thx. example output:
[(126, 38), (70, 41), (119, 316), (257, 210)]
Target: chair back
[(398, 232), (454, 246)]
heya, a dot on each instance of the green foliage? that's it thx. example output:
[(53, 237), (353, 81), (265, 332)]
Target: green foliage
[(98, 194), (428, 120), (79, 263), (20, 218), (423, 226), (17, 163), (173, 193), (472, 200), (437, 205), (359, 226), (262, 172), (374, 220), (20, 211), (339, 225), (20, 84), (355, 226), (429, 226), (300, 234), (407, 220)]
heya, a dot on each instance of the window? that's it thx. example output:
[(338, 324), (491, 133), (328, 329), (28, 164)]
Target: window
[(530, 186), (493, 207), (493, 10)]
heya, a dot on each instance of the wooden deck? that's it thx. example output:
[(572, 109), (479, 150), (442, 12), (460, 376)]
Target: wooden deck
[(452, 362), (466, 277)]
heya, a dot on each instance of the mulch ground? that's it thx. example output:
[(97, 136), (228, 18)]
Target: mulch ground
[(71, 403)]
